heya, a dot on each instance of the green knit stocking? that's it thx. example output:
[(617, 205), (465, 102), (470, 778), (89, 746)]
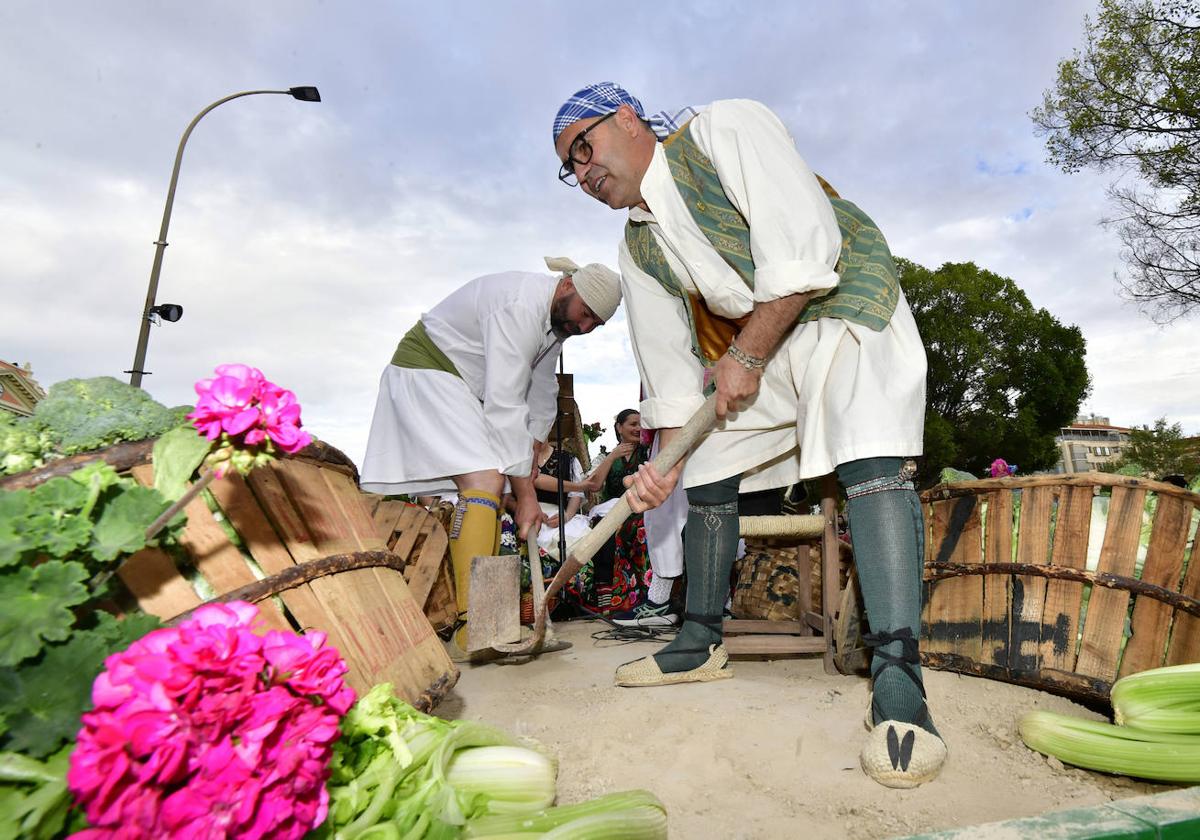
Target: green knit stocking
[(710, 545), (887, 530)]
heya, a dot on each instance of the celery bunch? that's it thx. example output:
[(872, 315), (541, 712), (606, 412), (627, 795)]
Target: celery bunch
[(1157, 735), (399, 774)]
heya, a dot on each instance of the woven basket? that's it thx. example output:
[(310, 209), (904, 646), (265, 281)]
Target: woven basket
[(775, 581)]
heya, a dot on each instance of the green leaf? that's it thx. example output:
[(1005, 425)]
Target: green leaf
[(72, 533), (43, 701), (177, 456), (61, 495), (118, 634), (121, 528), (14, 510), (35, 604)]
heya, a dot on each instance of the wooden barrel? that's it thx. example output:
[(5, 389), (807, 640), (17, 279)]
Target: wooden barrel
[(1009, 593)]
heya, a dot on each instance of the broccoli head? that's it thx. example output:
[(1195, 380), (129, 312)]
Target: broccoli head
[(85, 414)]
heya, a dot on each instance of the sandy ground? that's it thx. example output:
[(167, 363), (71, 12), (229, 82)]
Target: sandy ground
[(772, 753)]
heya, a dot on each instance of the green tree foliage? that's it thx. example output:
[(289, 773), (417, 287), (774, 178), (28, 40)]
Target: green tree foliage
[(1129, 100), (1004, 377), (1161, 450)]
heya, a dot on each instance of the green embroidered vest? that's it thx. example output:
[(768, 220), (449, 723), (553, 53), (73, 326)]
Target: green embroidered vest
[(868, 287)]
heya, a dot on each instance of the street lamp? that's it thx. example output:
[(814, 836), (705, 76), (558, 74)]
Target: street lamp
[(149, 311)]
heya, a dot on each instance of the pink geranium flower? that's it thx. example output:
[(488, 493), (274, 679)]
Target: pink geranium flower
[(209, 729), (251, 415)]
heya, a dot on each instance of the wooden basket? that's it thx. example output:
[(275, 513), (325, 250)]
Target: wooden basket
[(1025, 608), (774, 581), (303, 522)]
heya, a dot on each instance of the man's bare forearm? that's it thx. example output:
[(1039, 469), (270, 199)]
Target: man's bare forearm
[(769, 322)]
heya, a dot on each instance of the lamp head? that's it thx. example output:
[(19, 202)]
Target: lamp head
[(167, 311), (306, 93)]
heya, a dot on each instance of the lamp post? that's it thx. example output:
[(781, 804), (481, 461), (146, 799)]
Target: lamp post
[(304, 94)]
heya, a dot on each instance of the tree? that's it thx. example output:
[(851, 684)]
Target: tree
[(1004, 377), (1130, 101), (1160, 451)]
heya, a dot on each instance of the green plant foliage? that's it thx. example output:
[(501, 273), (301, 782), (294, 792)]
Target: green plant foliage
[(58, 545), (41, 700), (37, 605), (1129, 100), (34, 800), (121, 528), (177, 456), (1004, 377), (1158, 451)]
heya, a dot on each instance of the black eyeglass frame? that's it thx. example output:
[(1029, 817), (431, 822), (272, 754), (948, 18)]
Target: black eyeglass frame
[(567, 170)]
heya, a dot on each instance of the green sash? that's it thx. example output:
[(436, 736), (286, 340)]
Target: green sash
[(868, 287), (417, 350)]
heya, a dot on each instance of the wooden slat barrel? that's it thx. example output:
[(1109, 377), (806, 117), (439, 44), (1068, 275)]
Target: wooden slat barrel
[(1010, 594)]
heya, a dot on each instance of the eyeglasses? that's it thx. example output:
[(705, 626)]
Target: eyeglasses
[(579, 153)]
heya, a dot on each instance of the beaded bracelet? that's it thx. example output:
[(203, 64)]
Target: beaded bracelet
[(745, 359)]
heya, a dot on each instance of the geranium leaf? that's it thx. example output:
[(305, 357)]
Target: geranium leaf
[(177, 455), (43, 701), (14, 510), (61, 495), (72, 532), (35, 604), (119, 634), (121, 528)]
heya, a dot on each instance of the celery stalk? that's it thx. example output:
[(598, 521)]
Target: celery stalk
[(1160, 699), (632, 814), (1113, 749)]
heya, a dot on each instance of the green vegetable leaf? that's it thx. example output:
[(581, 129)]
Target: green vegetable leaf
[(35, 604), (44, 700), (177, 456), (121, 528)]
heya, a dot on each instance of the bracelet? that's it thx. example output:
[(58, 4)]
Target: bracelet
[(745, 359)]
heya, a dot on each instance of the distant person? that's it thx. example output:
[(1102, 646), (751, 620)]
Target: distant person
[(742, 268), (470, 395)]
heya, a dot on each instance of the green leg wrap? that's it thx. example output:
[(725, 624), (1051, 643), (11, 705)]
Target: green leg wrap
[(887, 530), (710, 545)]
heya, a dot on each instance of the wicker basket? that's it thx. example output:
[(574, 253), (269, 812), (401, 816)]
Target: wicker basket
[(775, 581)]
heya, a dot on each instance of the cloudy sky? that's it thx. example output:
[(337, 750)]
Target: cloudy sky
[(307, 238)]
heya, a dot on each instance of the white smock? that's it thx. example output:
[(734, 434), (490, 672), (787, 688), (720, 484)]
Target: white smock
[(430, 425), (833, 391)]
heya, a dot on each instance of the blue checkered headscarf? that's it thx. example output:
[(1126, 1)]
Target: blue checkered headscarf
[(604, 98)]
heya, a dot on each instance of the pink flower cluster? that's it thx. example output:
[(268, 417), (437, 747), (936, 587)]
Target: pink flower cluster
[(211, 730), (1002, 469), (242, 404)]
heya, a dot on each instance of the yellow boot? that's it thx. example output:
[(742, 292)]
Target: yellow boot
[(475, 532)]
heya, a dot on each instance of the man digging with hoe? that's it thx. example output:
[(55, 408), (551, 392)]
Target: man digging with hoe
[(740, 268)]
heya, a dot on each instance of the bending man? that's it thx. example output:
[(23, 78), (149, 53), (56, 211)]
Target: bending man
[(470, 394), (739, 266)]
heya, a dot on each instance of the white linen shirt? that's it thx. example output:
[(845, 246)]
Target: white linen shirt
[(829, 382), (496, 329)]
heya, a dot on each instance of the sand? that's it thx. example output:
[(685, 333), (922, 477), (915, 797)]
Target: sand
[(773, 752)]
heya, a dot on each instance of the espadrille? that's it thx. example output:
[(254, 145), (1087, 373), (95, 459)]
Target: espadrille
[(902, 755), (645, 671)]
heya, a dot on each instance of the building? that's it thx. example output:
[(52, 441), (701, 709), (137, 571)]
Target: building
[(1090, 443), (19, 391)]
